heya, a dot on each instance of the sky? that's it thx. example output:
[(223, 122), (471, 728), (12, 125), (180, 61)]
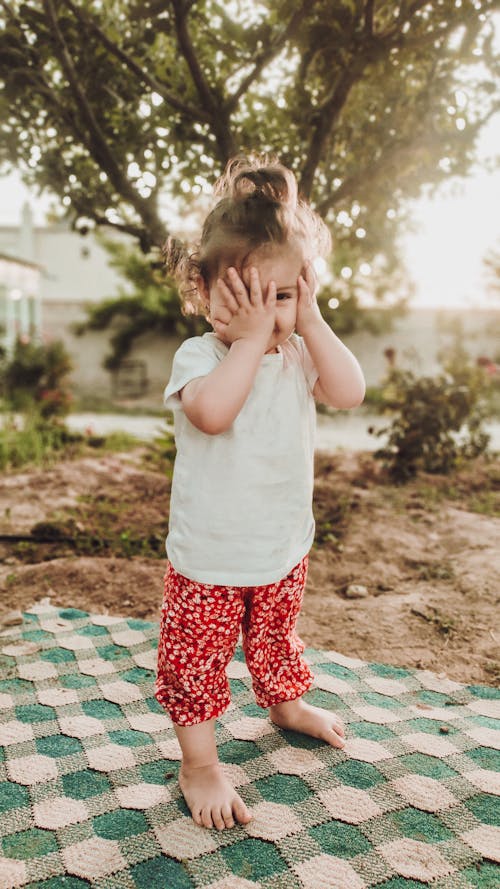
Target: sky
[(454, 230)]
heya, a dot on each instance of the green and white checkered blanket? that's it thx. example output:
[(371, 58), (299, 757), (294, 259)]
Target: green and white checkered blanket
[(89, 796)]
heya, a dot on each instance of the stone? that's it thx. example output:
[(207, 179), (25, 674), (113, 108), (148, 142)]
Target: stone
[(356, 591)]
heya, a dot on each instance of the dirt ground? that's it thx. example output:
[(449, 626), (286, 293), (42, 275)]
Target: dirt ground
[(424, 558)]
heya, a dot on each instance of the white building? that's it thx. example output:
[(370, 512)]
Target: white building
[(20, 301), (73, 271)]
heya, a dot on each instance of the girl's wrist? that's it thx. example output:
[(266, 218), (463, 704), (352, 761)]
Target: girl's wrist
[(255, 343), (304, 328)]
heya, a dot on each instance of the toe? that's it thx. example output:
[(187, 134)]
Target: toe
[(206, 817), (217, 819), (227, 816), (241, 812), (335, 739), (196, 816)]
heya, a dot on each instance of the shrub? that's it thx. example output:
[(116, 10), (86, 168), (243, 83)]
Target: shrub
[(438, 420), (31, 440), (35, 373)]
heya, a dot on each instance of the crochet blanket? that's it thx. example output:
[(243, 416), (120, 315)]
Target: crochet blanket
[(88, 765)]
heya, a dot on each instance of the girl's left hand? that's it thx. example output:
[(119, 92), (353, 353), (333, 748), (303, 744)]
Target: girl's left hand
[(308, 311)]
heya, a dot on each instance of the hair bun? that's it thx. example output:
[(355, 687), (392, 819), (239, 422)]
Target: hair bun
[(258, 177)]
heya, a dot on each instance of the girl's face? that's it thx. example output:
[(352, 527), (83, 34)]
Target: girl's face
[(282, 264)]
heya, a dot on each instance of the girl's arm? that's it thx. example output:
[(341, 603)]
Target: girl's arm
[(340, 382), (213, 402)]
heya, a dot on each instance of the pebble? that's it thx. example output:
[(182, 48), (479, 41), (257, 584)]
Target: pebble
[(356, 591), (11, 619)]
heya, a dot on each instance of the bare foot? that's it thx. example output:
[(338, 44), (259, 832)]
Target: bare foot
[(302, 717), (212, 800)]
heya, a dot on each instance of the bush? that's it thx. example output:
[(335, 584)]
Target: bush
[(36, 373), (31, 440), (438, 421)]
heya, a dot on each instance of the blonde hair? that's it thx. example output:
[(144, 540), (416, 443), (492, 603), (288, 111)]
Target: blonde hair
[(258, 204)]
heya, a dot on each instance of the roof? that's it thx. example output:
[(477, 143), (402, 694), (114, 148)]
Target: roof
[(18, 261)]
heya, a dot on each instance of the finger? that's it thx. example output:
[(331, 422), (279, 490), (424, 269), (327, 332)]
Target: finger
[(226, 295), (311, 278), (255, 288), (221, 313), (271, 295), (238, 288), (220, 328), (304, 292)]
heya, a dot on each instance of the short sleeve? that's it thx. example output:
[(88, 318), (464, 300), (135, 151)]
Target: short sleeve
[(196, 357)]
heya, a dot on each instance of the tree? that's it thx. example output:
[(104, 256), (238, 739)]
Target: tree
[(109, 104), (118, 106)]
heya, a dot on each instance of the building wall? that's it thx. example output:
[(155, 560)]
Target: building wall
[(89, 377), (75, 268), (421, 335)]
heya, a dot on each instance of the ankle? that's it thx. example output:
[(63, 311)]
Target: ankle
[(189, 766), (285, 707)]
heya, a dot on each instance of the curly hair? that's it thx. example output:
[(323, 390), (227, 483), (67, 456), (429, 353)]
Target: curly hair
[(257, 204)]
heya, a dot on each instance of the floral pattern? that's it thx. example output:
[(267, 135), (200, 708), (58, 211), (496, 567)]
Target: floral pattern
[(199, 629)]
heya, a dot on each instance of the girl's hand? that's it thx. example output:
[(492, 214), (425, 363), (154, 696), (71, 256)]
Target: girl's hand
[(308, 311), (239, 313)]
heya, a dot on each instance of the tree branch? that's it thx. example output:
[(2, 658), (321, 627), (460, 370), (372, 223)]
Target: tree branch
[(218, 117), (324, 119), (368, 12), (154, 83), (187, 49), (36, 74), (404, 16), (8, 10), (139, 233), (270, 53), (96, 141)]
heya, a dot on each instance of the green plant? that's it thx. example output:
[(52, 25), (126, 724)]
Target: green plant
[(32, 440), (161, 451), (149, 304), (35, 374), (437, 423)]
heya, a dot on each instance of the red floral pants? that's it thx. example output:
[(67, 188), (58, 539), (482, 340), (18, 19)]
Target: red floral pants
[(199, 629)]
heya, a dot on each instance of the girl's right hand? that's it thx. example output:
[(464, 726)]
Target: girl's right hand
[(242, 313)]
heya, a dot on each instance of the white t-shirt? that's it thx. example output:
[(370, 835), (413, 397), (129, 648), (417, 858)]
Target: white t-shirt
[(241, 501)]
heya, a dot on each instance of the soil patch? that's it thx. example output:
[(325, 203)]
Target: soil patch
[(405, 575)]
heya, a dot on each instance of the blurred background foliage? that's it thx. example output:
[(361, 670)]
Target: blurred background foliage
[(128, 111)]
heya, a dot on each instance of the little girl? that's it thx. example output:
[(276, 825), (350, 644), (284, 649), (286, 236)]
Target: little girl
[(241, 522)]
